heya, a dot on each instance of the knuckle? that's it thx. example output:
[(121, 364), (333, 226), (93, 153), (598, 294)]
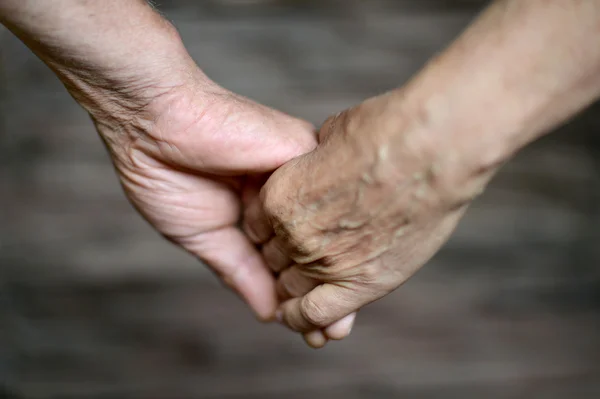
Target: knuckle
[(290, 223), (313, 312), (306, 249)]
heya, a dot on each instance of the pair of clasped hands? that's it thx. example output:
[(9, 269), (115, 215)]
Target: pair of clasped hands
[(306, 226), (309, 225)]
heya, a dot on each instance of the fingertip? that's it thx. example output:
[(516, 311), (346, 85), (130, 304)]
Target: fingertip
[(315, 339), (341, 328), (305, 137), (265, 317)]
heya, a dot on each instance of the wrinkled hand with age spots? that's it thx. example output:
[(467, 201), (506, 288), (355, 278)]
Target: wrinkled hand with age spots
[(351, 221)]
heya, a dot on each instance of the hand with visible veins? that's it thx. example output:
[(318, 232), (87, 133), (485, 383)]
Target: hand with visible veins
[(345, 225), (390, 179)]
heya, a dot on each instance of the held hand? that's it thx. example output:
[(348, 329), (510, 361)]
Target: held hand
[(183, 161), (351, 221)]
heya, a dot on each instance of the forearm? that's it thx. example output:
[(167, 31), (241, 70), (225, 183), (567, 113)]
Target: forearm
[(520, 70), (97, 47)]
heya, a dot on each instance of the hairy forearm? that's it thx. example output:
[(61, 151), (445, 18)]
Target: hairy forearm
[(100, 47), (83, 31), (519, 70)]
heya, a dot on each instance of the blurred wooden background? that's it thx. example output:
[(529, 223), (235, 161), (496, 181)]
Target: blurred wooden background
[(93, 304)]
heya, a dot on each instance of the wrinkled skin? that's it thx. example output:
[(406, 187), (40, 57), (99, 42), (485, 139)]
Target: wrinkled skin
[(356, 217), (185, 158), (190, 159)]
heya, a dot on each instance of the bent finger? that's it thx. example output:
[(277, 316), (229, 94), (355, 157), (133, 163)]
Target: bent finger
[(256, 224), (321, 307)]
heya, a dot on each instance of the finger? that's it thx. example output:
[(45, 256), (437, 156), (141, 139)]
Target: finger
[(292, 283), (315, 339), (265, 139), (337, 331), (256, 224), (229, 253), (341, 328), (321, 307), (275, 255)]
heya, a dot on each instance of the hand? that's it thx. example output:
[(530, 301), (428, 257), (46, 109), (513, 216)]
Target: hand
[(351, 221), (184, 168), (184, 148)]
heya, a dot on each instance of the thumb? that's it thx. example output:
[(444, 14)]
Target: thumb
[(322, 307), (329, 302), (234, 136), (256, 140)]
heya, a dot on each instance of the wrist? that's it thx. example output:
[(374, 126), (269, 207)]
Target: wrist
[(124, 81), (448, 149), (112, 56), (521, 69), (427, 141)]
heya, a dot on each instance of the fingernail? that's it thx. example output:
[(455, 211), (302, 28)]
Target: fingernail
[(279, 315)]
